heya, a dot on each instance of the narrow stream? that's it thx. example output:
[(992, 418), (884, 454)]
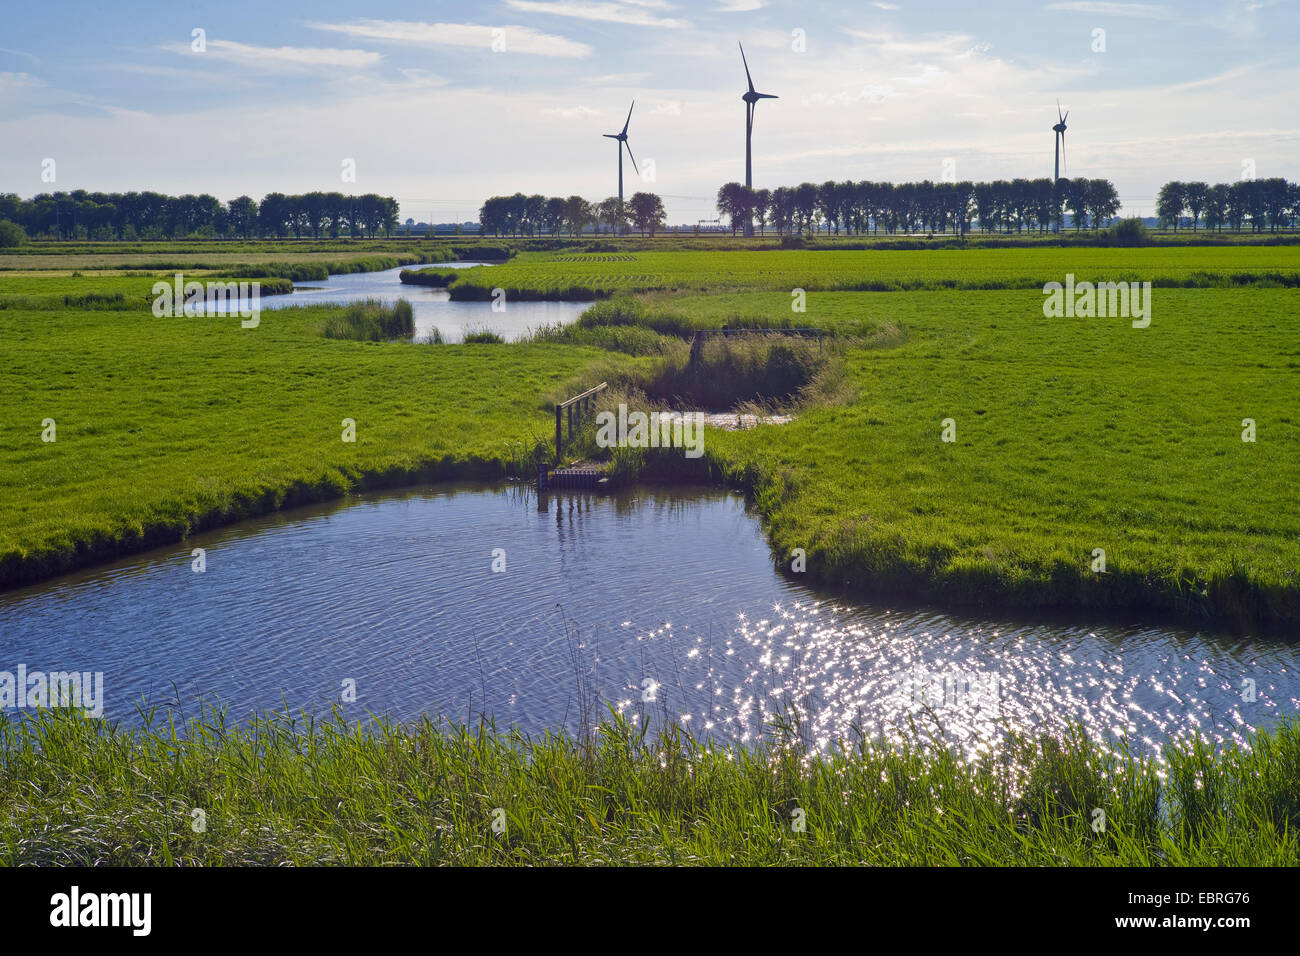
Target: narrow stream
[(432, 308)]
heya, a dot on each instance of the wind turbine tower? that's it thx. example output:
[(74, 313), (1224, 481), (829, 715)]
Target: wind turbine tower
[(1059, 128), (622, 144), (751, 98)]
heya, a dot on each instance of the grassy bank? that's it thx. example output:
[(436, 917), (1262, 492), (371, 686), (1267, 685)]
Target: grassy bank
[(99, 290), (164, 427), (276, 791)]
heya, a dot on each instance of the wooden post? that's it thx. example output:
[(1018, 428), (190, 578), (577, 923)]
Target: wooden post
[(557, 434), (697, 347)]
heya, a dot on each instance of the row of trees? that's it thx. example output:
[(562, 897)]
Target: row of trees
[(537, 215), (150, 215), (868, 207), (1263, 203)]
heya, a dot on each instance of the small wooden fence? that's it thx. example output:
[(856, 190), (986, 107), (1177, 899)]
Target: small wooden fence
[(574, 408)]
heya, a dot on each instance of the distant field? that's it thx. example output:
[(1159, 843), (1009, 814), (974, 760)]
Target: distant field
[(566, 273), (63, 257), (132, 286)]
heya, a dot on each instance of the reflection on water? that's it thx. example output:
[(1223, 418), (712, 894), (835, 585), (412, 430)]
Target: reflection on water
[(432, 308), (662, 601)]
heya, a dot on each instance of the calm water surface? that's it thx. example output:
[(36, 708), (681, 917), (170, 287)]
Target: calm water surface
[(666, 592), (432, 308)]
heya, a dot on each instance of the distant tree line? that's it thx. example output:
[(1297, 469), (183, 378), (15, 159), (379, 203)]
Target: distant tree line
[(1261, 203), (537, 215), (148, 215), (860, 208)]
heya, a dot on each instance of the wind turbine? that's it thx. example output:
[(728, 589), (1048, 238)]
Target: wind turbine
[(622, 142), (1060, 138), (751, 99)]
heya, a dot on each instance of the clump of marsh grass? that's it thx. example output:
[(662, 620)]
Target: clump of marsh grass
[(734, 369), (626, 311), (482, 337), (370, 320)]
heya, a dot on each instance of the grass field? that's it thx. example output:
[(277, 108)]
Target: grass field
[(167, 425), (1072, 434), (574, 274), (278, 791)]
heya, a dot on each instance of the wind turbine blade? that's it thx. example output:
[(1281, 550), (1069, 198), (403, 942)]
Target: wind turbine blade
[(1065, 117), (746, 62), (631, 157), (629, 117), (1058, 111), (767, 96), (610, 135)]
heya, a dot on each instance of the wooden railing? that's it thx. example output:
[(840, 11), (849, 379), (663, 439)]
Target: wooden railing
[(574, 407)]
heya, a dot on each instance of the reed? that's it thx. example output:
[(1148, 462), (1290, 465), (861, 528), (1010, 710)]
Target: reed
[(370, 320), (298, 790)]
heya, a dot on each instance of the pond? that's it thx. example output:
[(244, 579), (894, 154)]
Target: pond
[(460, 600), (432, 308)]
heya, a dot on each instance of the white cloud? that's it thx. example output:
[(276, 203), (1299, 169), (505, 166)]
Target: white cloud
[(617, 79), (1211, 81), (280, 59), (571, 112), (740, 6), (628, 13), (886, 6), (23, 53), (892, 45), (518, 39), (1147, 11), (9, 81)]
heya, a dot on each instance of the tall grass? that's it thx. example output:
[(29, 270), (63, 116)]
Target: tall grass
[(285, 790), (482, 337), (370, 320), (629, 339), (731, 370)]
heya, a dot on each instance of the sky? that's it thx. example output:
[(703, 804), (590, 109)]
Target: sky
[(442, 104)]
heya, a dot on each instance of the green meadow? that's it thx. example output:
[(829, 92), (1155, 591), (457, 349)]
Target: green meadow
[(1071, 434), (573, 273)]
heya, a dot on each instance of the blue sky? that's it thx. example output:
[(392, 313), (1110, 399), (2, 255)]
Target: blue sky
[(415, 94)]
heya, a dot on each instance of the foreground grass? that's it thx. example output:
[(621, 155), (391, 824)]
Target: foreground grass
[(75, 791)]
